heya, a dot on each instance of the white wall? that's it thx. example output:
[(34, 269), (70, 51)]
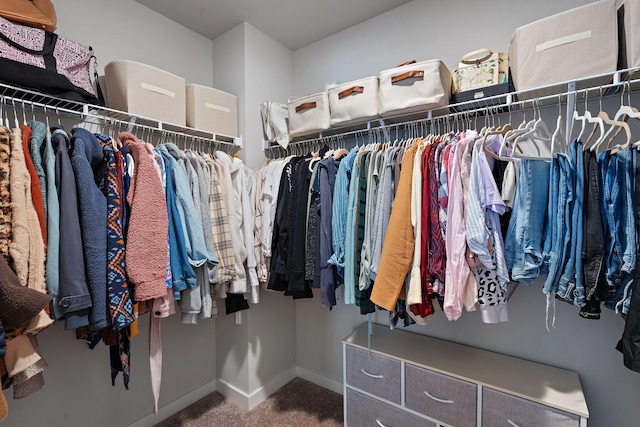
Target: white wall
[(272, 330), (447, 30), (125, 29), (421, 30), (269, 76), (260, 352), (78, 389)]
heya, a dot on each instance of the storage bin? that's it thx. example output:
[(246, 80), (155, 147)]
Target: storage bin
[(629, 30), (212, 110), (354, 101), (309, 114), (414, 86), (575, 44), (146, 91)]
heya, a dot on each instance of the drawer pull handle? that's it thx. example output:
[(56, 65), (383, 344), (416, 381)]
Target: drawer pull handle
[(379, 377), (513, 423), (380, 423), (430, 396)]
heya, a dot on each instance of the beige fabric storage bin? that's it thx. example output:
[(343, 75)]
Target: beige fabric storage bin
[(629, 30), (354, 101), (212, 110), (309, 114), (575, 44), (413, 87), (143, 90)]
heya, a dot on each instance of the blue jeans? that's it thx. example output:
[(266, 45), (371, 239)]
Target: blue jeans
[(571, 284), (555, 231), (618, 175), (523, 247)]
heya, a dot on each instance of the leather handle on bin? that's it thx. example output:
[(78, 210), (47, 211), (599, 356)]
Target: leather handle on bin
[(347, 92), (305, 106), (408, 74), (413, 61), (474, 58)]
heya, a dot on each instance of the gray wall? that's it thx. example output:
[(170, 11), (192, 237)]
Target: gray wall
[(447, 30), (251, 356)]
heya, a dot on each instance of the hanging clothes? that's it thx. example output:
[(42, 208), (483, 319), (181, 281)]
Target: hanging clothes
[(397, 253), (87, 160), (5, 191)]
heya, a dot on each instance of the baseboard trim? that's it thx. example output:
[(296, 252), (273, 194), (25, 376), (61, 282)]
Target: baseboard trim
[(271, 387), (177, 405), (319, 379), (248, 401)]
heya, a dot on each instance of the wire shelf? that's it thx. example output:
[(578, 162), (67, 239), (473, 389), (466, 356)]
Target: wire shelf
[(30, 100), (567, 92)]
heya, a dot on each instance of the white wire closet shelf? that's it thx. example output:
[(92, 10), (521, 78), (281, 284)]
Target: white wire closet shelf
[(30, 100), (566, 93)]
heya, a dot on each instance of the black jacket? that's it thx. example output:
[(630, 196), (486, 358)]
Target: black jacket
[(629, 345)]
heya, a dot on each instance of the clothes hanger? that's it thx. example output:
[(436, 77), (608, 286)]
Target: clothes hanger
[(582, 119), (2, 105), (507, 141), (623, 125), (502, 130), (598, 125), (15, 114), (557, 139)]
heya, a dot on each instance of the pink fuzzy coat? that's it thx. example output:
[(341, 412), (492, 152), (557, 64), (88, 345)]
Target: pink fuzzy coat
[(146, 248)]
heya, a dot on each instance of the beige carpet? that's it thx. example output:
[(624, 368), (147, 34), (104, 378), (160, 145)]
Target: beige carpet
[(298, 403)]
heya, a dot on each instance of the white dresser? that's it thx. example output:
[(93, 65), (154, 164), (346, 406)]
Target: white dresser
[(409, 380)]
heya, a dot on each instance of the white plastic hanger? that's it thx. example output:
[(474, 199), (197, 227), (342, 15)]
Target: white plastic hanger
[(558, 142), (538, 136)]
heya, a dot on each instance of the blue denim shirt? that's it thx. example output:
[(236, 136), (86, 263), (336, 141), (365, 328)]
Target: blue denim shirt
[(192, 227), (339, 214), (182, 273), (53, 228), (524, 240)]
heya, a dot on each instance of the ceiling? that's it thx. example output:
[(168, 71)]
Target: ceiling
[(294, 23)]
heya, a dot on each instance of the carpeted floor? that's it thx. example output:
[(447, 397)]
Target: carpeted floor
[(298, 403)]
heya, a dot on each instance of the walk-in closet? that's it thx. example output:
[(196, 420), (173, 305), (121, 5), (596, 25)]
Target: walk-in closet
[(467, 259)]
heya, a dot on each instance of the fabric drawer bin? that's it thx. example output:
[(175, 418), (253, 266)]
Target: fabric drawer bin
[(146, 91), (364, 411), (629, 30), (442, 397), (212, 110), (414, 87), (501, 409), (354, 101), (575, 44), (374, 374), (309, 114)]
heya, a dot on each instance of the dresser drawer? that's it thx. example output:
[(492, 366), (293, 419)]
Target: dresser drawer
[(441, 397), (503, 410), (373, 373), (363, 411)]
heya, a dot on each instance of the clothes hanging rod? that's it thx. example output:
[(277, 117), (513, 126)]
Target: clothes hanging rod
[(509, 104)]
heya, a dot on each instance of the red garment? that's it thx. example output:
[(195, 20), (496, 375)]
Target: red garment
[(36, 195), (425, 308)]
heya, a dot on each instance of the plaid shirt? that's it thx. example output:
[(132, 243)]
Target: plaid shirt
[(220, 224)]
